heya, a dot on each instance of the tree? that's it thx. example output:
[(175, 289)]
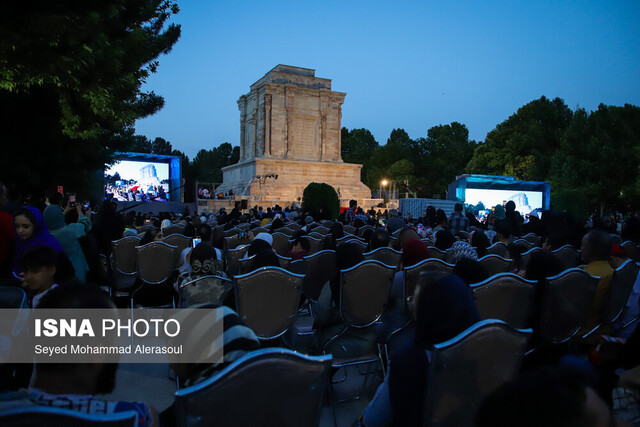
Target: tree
[(161, 146), (358, 145), (70, 85), (522, 145), (207, 165), (443, 155), (321, 200), (599, 155)]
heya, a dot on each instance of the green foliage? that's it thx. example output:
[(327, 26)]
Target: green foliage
[(358, 145), (401, 170), (207, 164), (570, 200), (322, 200), (94, 56), (522, 146)]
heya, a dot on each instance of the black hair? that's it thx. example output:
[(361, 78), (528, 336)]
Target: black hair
[(379, 239), (503, 228), (480, 241), (599, 245), (205, 232), (458, 207), (38, 257), (265, 258), (26, 212), (441, 217), (444, 240), (470, 271)]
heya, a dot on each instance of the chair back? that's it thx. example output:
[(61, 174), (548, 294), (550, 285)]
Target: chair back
[(321, 229), (437, 253), (320, 268), (123, 255), (315, 245), (385, 255), (622, 281), (246, 263), (231, 232), (526, 256), (350, 229), (15, 297), (156, 262), (364, 292), (317, 235), (566, 300), (362, 245), (234, 241), (45, 416), (522, 242), (294, 226), (568, 256), (495, 264), (144, 228), (498, 248), (532, 238), (267, 300), (298, 267), (412, 273), (233, 259), (281, 243), (505, 296), (632, 249), (180, 241), (281, 387), (465, 369), (206, 289), (364, 228), (172, 229), (286, 230), (260, 230)]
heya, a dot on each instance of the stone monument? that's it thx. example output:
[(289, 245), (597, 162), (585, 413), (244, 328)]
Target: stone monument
[(290, 136)]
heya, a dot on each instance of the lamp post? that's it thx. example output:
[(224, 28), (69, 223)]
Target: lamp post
[(383, 184)]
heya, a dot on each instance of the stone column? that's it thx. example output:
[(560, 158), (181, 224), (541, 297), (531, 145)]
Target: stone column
[(267, 124), (242, 106)]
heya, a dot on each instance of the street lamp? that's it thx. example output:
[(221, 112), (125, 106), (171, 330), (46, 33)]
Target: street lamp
[(383, 184)]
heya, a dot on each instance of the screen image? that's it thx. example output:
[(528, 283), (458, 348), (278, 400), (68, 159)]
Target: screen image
[(526, 201), (129, 180)]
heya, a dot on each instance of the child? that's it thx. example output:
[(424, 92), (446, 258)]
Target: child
[(39, 266)]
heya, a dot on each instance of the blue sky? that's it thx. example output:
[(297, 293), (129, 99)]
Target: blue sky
[(403, 64)]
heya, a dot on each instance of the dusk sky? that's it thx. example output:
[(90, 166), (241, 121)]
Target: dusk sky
[(403, 64)]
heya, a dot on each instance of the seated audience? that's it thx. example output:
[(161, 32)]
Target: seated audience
[(596, 249)]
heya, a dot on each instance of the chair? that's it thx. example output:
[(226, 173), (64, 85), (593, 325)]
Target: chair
[(506, 296), (622, 282), (532, 238), (364, 295), (233, 259), (231, 232), (364, 228), (632, 249), (298, 267), (272, 386), (319, 269), (294, 226), (16, 298), (181, 241), (566, 300), (260, 230), (568, 256), (246, 263), (124, 263), (327, 223), (498, 248), (522, 242), (267, 300), (44, 416), (317, 235), (156, 265), (526, 256), (412, 272), (285, 230), (205, 289), (437, 253), (172, 229), (385, 255), (350, 229), (233, 242), (495, 264), (144, 228), (315, 245), (321, 229), (358, 242), (281, 243), (465, 369)]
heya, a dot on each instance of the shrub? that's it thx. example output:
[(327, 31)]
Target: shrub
[(321, 200)]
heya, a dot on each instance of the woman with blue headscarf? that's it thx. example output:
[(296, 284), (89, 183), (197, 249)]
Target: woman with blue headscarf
[(31, 231), (444, 307)]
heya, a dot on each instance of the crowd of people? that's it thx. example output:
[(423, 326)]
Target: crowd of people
[(53, 251)]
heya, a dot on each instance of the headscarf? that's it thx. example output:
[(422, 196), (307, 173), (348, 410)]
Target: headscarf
[(266, 237), (41, 236), (165, 223), (414, 251), (54, 217), (203, 259), (445, 308), (462, 249)]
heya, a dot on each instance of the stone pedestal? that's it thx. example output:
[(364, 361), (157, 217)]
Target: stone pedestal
[(290, 127)]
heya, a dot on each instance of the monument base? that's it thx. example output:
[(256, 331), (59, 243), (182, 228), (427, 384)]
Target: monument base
[(274, 179)]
